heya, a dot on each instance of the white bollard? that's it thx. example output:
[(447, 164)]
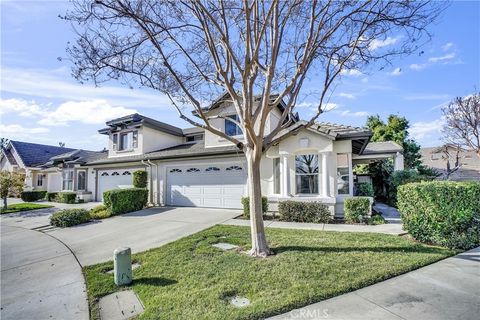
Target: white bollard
[(122, 266)]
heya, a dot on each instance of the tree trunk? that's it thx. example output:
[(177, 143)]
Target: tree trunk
[(259, 241), (5, 203)]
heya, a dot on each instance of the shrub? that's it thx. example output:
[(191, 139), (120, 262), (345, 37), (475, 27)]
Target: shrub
[(66, 197), (376, 220), (69, 217), (364, 189), (140, 179), (29, 196), (52, 196), (125, 200), (442, 212), (357, 209), (246, 206), (401, 177), (100, 212), (300, 211)]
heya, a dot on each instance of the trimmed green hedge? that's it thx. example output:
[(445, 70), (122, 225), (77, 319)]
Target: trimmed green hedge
[(34, 195), (364, 189), (246, 206), (125, 200), (445, 213), (100, 212), (66, 197), (140, 179), (303, 211), (52, 196), (357, 209), (402, 177), (69, 217)]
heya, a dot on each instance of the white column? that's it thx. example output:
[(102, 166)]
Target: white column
[(285, 188), (325, 190), (398, 162)]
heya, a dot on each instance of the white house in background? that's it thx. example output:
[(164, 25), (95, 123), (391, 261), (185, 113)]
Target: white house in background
[(193, 167)]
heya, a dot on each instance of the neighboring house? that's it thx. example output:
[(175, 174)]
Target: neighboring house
[(193, 167), (437, 158)]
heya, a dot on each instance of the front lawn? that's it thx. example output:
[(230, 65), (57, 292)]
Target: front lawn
[(25, 206), (190, 279)]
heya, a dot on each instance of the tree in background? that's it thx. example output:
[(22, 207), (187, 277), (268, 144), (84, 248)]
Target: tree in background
[(462, 122), (10, 183), (191, 51)]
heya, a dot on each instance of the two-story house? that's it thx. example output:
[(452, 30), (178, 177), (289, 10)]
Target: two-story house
[(194, 167)]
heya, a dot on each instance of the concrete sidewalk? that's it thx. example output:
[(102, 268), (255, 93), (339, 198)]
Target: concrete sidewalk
[(40, 278), (388, 228), (449, 289)]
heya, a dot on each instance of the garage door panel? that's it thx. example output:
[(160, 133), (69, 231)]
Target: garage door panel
[(212, 203), (114, 179), (212, 190)]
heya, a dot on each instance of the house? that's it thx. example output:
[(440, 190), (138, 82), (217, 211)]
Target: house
[(193, 167), (438, 157)]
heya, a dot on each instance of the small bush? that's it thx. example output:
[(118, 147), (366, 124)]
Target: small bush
[(246, 206), (100, 212), (445, 213), (66, 197), (364, 189), (125, 200), (52, 196), (376, 220), (140, 179), (69, 217), (34, 195), (357, 209), (300, 211)]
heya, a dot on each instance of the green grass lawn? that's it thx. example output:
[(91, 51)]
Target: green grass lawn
[(189, 279), (17, 207)]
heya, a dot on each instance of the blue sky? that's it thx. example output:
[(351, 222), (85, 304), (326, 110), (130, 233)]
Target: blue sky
[(40, 102)]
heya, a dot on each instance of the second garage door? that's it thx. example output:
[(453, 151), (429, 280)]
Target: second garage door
[(114, 179), (211, 186)]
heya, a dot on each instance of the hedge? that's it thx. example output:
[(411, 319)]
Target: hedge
[(364, 189), (52, 196), (66, 197), (300, 211), (401, 177), (140, 179), (445, 213), (29, 196), (246, 206), (125, 200), (357, 209), (69, 217), (100, 212)]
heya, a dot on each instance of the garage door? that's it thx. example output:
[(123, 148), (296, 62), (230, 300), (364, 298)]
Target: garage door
[(114, 179), (211, 186)]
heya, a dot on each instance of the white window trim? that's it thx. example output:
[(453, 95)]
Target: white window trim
[(73, 180), (317, 194), (84, 189)]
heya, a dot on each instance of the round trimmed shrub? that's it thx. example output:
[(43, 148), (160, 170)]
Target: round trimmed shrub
[(69, 217), (140, 179), (304, 211), (357, 209), (444, 213)]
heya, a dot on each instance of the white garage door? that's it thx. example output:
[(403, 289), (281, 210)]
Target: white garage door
[(114, 179), (211, 186)]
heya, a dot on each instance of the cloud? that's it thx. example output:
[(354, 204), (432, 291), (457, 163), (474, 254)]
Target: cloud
[(348, 113), (417, 67), (447, 46), (427, 97), (17, 131), (329, 106), (396, 72), (346, 95), (21, 107), (425, 130), (364, 80), (351, 72), (444, 58), (377, 43)]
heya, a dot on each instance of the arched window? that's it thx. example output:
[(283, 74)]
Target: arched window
[(234, 168), (193, 170), (115, 173), (211, 169), (105, 174), (126, 173), (175, 170)]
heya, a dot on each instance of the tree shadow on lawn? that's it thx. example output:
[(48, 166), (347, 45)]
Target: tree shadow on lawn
[(414, 249), (154, 281)]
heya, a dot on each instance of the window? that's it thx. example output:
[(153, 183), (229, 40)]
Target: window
[(67, 179), (210, 169), (128, 140), (193, 170), (105, 174), (276, 175), (115, 173), (81, 180), (343, 174), (194, 138), (126, 173), (115, 141), (306, 173), (175, 170), (231, 128), (234, 168), (134, 139), (40, 179)]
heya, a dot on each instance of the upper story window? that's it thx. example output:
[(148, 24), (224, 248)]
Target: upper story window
[(196, 137), (231, 128), (306, 173), (125, 140), (343, 173)]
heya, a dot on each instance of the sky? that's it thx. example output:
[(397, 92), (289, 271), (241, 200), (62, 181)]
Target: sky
[(40, 102)]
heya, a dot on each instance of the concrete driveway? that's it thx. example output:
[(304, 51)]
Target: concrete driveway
[(142, 230)]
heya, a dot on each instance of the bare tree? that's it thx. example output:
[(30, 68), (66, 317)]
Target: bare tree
[(193, 50), (462, 122), (451, 159)]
